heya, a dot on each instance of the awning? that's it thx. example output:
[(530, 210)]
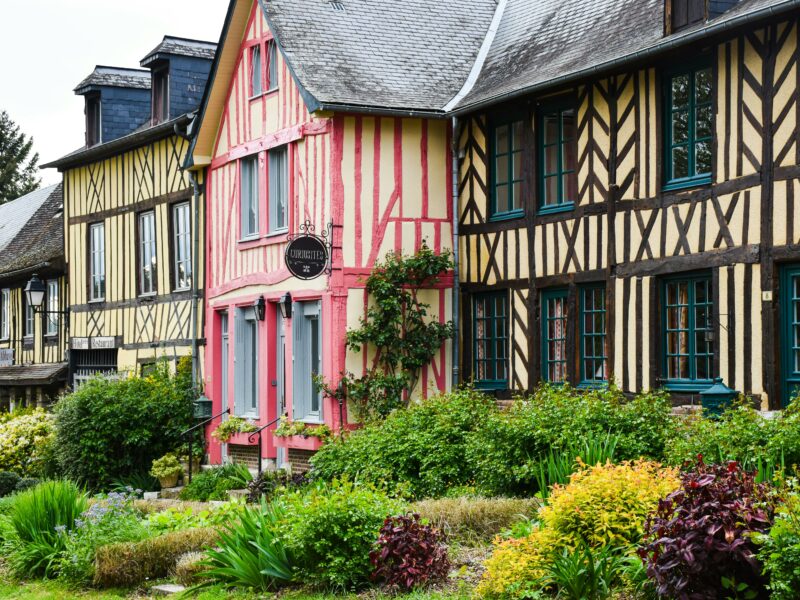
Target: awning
[(41, 374)]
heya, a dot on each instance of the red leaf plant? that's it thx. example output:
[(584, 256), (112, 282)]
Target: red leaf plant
[(699, 540), (409, 554)]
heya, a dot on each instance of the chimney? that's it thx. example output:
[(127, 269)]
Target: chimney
[(680, 14), (117, 102), (179, 70)]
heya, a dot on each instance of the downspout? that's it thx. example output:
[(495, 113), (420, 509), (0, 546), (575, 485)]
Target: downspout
[(456, 284)]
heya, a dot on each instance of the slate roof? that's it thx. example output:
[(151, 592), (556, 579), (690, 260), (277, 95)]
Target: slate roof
[(115, 77), (41, 374), (14, 215), (403, 55), (540, 43), (40, 233), (172, 45)]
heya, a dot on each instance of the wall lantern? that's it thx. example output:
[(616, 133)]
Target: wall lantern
[(261, 307), (34, 292), (285, 304)]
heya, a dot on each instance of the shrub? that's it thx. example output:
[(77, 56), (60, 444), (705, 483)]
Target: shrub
[(165, 467), (176, 518), (606, 505), (41, 518), (27, 483), (109, 520), (584, 573), (699, 541), (780, 551), (215, 483), (475, 520), (409, 554), (268, 483), (8, 482), (330, 530), (421, 448), (129, 564), (509, 445), (250, 552), (26, 440)]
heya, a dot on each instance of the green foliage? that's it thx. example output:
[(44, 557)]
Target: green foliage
[(507, 449), (108, 520), (331, 529), (129, 564), (421, 449), (26, 442), (399, 329), (177, 519), (231, 426), (780, 550), (250, 553), (557, 466), (584, 573), (214, 484), (41, 519), (18, 168), (8, 482), (110, 428), (287, 428), (166, 466)]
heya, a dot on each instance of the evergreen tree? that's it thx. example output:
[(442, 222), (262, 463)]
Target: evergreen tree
[(17, 166)]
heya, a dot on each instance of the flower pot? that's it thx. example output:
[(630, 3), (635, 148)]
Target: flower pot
[(298, 442), (169, 481)]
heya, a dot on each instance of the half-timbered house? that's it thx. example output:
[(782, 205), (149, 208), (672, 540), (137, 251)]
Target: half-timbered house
[(33, 361), (628, 197), (133, 219), (322, 115)]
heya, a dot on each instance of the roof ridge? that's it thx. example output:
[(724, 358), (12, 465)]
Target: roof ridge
[(480, 59)]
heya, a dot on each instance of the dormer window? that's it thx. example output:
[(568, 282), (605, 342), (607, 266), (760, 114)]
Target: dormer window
[(160, 95), (93, 120)]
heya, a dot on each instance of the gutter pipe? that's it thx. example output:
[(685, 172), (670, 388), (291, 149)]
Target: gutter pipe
[(456, 131)]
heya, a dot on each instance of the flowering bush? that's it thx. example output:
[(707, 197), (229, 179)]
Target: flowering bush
[(700, 540), (408, 553), (26, 442), (108, 520)]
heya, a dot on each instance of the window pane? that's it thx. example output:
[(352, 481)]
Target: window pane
[(517, 173), (550, 129), (569, 185), (272, 79), (702, 157), (501, 140), (703, 86), (704, 121), (680, 126), (501, 169), (501, 198), (491, 344), (278, 188), (680, 162), (550, 160), (314, 332), (568, 125), (255, 68), (680, 91)]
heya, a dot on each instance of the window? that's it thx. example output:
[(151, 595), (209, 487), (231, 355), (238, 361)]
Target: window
[(554, 336), (148, 261), (506, 169), (558, 149), (686, 12), (161, 95), (594, 359), (93, 120), (687, 334), (52, 307), (307, 397), (689, 127), (272, 66), (245, 385), (278, 189), (249, 196), (97, 262), (224, 356), (256, 77), (29, 318), (182, 231), (490, 320), (5, 311)]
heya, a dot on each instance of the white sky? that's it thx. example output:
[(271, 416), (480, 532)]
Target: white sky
[(48, 46)]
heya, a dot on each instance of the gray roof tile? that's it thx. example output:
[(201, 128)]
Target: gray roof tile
[(40, 231), (181, 47), (115, 77), (14, 215)]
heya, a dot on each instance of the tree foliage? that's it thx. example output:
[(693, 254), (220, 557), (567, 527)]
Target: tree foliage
[(398, 329), (17, 166)]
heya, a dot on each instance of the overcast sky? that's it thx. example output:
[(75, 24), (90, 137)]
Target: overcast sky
[(48, 46)]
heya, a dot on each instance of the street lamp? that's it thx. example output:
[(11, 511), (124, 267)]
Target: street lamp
[(260, 306), (285, 304), (34, 295)]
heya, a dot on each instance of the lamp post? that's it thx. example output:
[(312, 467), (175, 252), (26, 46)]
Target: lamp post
[(34, 295), (285, 304), (260, 306)]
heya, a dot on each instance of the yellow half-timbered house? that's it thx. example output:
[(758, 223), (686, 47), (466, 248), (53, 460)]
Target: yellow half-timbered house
[(133, 219), (628, 197)]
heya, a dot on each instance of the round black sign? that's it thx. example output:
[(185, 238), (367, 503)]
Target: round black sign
[(306, 257)]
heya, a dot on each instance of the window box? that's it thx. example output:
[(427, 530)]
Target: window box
[(298, 442), (240, 439)]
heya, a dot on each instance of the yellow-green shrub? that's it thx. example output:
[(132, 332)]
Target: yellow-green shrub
[(129, 564), (26, 442), (606, 505)]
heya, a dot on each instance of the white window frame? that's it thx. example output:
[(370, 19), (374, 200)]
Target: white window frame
[(97, 262), (5, 312), (29, 326), (278, 159), (53, 317), (182, 245), (249, 196), (148, 255)]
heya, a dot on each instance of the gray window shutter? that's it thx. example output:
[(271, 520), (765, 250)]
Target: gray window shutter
[(239, 381), (298, 352)]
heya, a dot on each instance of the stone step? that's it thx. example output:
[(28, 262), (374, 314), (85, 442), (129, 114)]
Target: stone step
[(167, 589)]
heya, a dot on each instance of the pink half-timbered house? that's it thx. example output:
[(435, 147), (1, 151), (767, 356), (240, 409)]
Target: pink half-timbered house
[(328, 114)]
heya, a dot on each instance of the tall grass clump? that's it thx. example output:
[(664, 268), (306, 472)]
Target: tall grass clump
[(41, 518), (556, 467)]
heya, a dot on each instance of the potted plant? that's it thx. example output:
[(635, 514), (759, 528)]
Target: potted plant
[(198, 453), (298, 434), (167, 469), (227, 429)]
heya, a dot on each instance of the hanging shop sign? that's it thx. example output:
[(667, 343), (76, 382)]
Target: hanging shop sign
[(308, 254)]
